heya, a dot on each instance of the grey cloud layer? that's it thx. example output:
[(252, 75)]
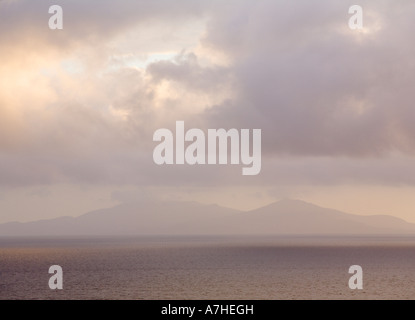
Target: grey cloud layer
[(87, 22), (295, 70), (313, 86)]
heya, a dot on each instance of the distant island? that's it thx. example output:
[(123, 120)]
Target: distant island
[(285, 217)]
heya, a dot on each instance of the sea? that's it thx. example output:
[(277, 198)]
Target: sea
[(208, 268)]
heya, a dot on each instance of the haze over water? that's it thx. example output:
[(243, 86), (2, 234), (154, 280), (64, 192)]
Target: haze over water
[(208, 268)]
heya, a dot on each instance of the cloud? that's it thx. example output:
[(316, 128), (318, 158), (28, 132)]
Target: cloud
[(80, 106), (86, 23), (187, 70)]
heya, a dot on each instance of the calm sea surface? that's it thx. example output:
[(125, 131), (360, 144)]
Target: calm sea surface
[(208, 268)]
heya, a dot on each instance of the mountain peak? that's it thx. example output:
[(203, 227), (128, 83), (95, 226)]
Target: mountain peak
[(289, 203)]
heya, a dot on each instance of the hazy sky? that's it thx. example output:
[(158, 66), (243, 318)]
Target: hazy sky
[(79, 106)]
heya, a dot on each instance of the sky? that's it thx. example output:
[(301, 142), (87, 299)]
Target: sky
[(79, 106)]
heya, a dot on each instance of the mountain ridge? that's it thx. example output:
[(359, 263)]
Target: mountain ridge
[(283, 217)]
